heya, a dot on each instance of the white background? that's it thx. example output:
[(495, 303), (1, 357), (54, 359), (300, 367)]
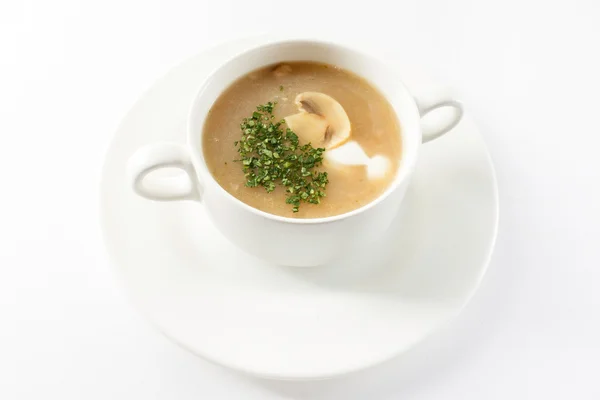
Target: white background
[(529, 73)]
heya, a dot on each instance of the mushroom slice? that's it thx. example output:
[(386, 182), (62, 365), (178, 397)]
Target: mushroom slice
[(282, 70), (309, 127), (336, 129)]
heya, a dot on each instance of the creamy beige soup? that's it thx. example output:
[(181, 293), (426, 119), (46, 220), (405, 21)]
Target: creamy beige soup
[(373, 126)]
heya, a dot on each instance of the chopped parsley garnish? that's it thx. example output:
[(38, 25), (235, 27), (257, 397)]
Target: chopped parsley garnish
[(271, 156)]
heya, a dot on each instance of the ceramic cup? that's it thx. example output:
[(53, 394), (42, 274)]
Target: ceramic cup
[(275, 239)]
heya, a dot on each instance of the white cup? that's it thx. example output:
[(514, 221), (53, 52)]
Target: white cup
[(275, 239)]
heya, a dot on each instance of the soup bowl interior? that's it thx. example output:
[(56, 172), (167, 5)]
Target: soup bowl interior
[(373, 70)]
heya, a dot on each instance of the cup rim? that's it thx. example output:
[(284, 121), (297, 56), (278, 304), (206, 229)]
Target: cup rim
[(200, 163)]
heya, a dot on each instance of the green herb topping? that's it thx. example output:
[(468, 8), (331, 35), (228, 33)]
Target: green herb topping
[(272, 156)]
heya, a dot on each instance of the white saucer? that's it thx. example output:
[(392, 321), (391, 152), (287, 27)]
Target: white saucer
[(298, 323)]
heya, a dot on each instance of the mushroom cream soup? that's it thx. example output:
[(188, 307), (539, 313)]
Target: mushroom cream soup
[(302, 140)]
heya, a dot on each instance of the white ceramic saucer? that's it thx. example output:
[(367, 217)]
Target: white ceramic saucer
[(298, 323)]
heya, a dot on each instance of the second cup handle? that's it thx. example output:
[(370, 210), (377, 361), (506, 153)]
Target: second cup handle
[(440, 129), (156, 156)]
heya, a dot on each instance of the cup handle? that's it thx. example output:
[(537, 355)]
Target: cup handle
[(440, 129), (155, 156)]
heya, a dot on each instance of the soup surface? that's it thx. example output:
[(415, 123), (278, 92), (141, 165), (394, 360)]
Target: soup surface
[(373, 127)]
